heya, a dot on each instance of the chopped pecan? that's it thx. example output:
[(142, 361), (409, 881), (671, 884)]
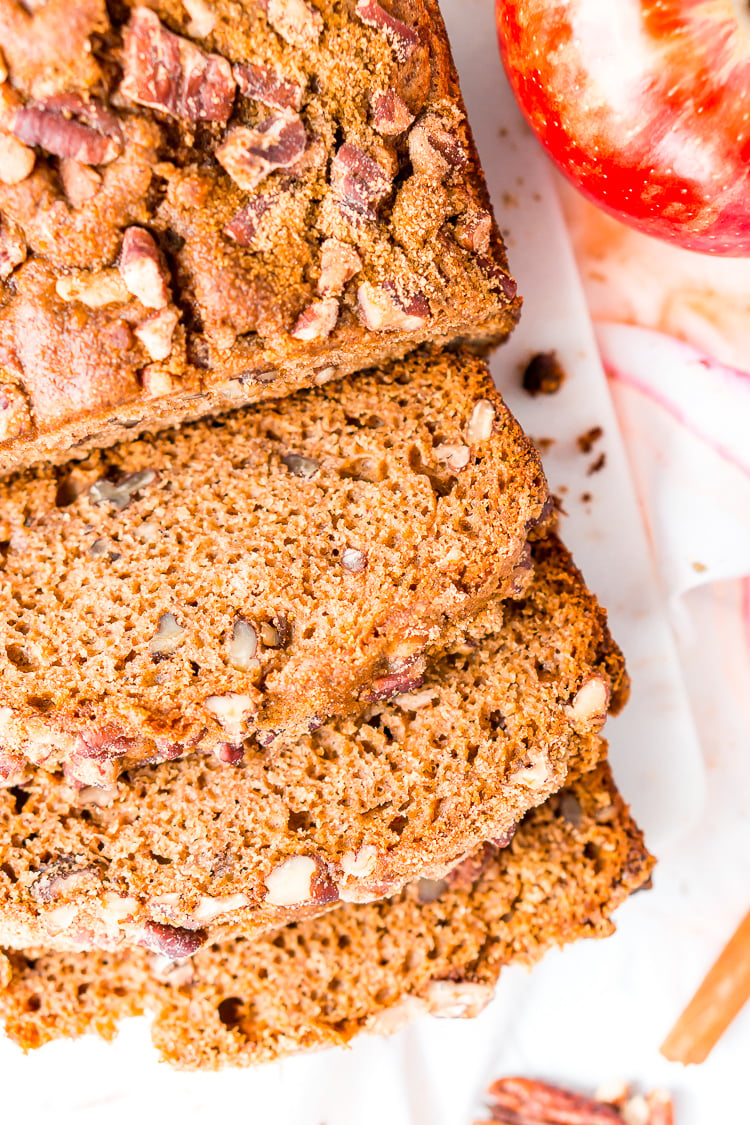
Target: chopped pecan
[(202, 19), (15, 416), (467, 873), (228, 754), (523, 1101), (358, 182), (93, 288), (479, 426), (497, 277), (264, 84), (390, 113), (455, 457), (383, 309), (69, 126), (433, 150), (243, 228), (103, 745), (61, 877), (12, 767), (234, 711), (589, 706), (16, 160), (354, 561), (156, 332), (167, 72), (457, 999), (168, 634), (249, 155), (473, 231), (295, 20), (339, 263), (243, 645), (317, 321), (403, 38), (395, 683), (143, 269), (119, 494), (171, 941), (300, 879), (12, 247), (81, 182), (300, 466)]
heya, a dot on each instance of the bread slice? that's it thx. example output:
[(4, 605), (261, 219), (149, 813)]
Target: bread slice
[(234, 579), (438, 947), (295, 195), (353, 811)]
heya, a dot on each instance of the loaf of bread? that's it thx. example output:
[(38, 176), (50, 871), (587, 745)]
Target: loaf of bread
[(438, 947), (231, 580), (202, 205), (176, 853)]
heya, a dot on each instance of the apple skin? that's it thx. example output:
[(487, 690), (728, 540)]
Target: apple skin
[(645, 106)]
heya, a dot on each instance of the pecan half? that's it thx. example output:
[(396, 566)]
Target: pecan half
[(69, 126), (523, 1101), (317, 321), (339, 263), (167, 72), (390, 113), (383, 309), (171, 941), (433, 150), (249, 155), (143, 269), (295, 21), (403, 38), (16, 160), (12, 247), (264, 84), (358, 182)]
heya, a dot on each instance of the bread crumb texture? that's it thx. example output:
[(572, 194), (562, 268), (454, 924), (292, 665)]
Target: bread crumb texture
[(437, 947)]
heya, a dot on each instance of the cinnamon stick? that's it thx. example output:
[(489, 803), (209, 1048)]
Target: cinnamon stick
[(719, 999)]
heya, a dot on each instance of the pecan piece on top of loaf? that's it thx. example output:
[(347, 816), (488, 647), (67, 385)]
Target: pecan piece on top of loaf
[(246, 141)]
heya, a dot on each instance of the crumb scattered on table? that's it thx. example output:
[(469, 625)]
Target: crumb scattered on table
[(543, 374), (598, 465), (587, 441)]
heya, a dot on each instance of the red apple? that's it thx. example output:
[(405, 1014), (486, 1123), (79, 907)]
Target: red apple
[(644, 105)]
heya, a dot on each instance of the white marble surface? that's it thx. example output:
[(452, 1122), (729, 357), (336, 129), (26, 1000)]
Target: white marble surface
[(598, 1010)]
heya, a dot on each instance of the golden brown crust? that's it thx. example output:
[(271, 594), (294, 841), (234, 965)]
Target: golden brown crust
[(240, 252), (319, 983)]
